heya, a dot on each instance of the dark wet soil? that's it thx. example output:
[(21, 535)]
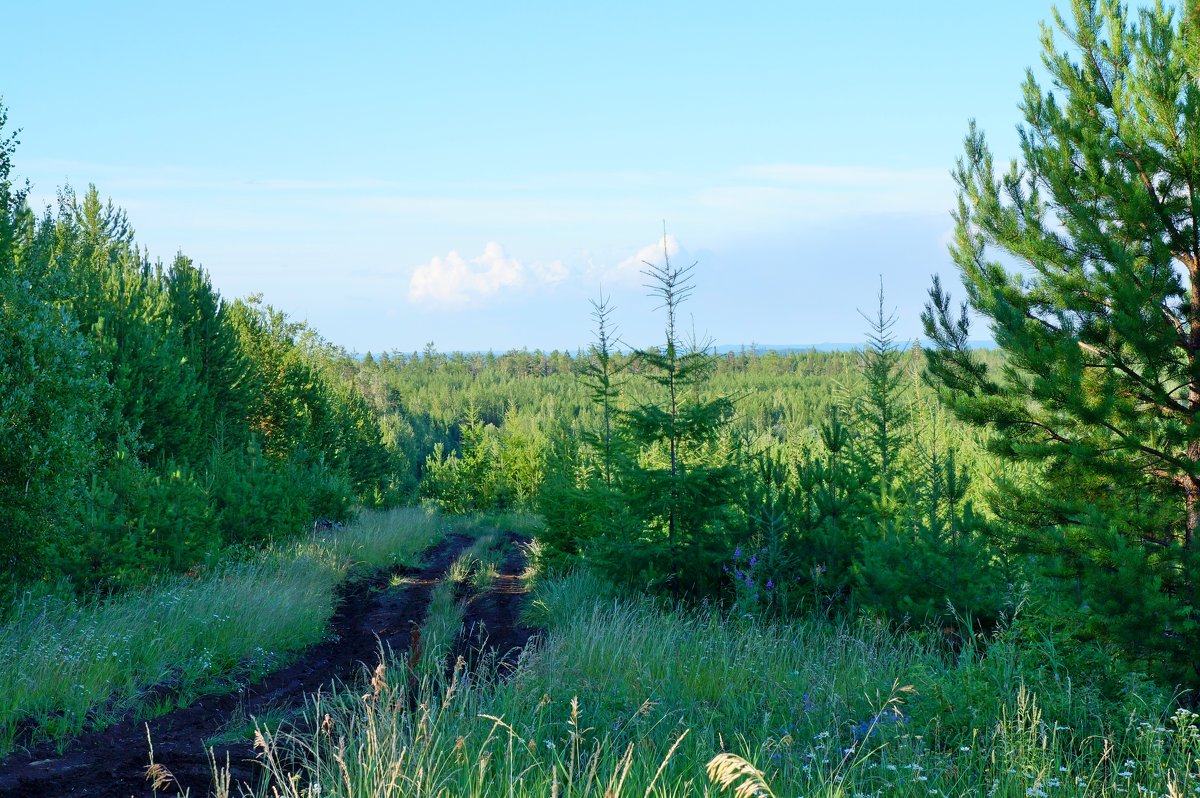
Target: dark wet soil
[(113, 762), (493, 637)]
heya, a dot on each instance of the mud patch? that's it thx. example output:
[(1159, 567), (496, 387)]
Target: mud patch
[(493, 637)]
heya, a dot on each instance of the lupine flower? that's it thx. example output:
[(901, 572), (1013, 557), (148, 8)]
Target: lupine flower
[(737, 552), (770, 584)]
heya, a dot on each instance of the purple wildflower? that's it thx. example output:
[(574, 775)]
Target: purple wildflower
[(737, 552), (770, 584)]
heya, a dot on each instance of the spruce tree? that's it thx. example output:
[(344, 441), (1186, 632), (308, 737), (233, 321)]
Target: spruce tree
[(882, 410), (684, 480), (601, 373), (1084, 257)]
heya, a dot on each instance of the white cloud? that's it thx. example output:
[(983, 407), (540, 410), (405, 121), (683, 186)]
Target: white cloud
[(454, 280), (629, 271), (553, 272)]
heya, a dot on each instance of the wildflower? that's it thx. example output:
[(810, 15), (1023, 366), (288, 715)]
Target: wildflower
[(737, 552), (753, 560), (770, 584)]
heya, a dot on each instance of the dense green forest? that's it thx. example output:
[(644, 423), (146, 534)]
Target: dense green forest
[(149, 424)]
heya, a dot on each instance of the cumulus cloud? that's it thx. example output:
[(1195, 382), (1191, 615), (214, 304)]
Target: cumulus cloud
[(454, 280), (553, 272), (629, 271)]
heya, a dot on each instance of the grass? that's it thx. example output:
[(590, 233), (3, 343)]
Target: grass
[(241, 726), (479, 565), (440, 630), (67, 666), (629, 698)]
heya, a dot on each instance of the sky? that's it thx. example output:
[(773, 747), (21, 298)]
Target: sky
[(470, 174)]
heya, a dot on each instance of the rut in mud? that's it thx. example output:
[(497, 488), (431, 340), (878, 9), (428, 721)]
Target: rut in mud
[(113, 762), (492, 636)]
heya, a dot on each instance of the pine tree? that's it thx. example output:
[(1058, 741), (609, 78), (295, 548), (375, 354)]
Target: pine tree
[(49, 395), (225, 380), (1097, 309)]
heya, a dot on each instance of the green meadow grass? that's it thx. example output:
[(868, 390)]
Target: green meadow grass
[(67, 666), (627, 697)]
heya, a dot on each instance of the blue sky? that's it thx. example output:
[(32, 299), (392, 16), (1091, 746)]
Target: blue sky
[(471, 173)]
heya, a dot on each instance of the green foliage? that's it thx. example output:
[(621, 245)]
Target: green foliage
[(139, 523), (49, 397), (646, 496), (1099, 395), (881, 410), (469, 481), (146, 423)]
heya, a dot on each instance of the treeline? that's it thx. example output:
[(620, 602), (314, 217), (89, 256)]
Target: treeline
[(800, 481), (834, 483), (146, 423)]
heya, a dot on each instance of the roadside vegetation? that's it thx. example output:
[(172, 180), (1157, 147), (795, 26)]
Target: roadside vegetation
[(69, 665), (628, 697)]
